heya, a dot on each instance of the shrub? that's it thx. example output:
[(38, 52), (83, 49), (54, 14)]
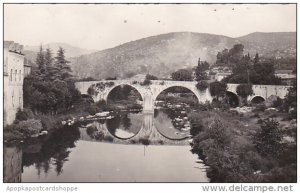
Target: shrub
[(217, 89), (219, 133), (92, 109), (205, 106), (267, 140), (134, 106), (91, 91), (202, 85), (87, 79), (196, 124), (29, 127), (146, 82), (24, 114), (151, 77)]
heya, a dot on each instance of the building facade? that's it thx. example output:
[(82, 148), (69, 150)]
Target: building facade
[(13, 80)]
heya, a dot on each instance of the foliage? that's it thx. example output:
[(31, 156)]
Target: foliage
[(245, 69), (267, 140), (290, 100), (146, 82), (111, 78), (151, 77), (29, 127), (230, 57), (200, 70), (244, 90), (51, 85), (87, 79), (202, 85), (182, 75), (24, 114), (217, 89), (196, 124), (92, 109)]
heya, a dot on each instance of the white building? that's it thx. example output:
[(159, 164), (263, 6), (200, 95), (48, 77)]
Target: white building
[(13, 80)]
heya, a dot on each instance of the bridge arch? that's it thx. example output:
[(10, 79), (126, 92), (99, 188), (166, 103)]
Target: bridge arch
[(232, 98), (106, 95), (181, 86), (257, 99)]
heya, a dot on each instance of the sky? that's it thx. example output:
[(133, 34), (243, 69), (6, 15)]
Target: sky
[(103, 26)]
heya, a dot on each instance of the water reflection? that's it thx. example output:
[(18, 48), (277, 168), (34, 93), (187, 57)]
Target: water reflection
[(12, 164), (51, 151), (64, 156), (172, 123), (125, 125)]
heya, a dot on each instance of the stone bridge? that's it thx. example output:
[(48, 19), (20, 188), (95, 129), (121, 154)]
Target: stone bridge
[(101, 89)]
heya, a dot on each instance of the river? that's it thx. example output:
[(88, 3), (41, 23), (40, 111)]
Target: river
[(128, 147)]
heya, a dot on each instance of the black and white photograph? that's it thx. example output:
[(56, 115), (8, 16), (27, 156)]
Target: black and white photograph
[(149, 93)]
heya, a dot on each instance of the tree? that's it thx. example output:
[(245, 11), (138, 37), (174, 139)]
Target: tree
[(290, 100), (40, 60), (200, 70), (268, 140), (202, 85), (50, 87), (182, 75), (217, 89), (48, 57), (256, 59), (151, 77), (236, 53), (244, 90), (64, 70)]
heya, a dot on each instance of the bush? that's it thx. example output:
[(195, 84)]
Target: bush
[(29, 127), (267, 140), (196, 124), (24, 114), (146, 82), (134, 106), (92, 109), (205, 106), (151, 77), (202, 85)]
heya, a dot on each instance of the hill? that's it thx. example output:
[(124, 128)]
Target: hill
[(71, 51), (163, 54), (272, 44), (159, 55)]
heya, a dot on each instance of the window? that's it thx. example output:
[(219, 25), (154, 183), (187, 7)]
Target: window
[(11, 74), (20, 75), (12, 100), (16, 72), (19, 100)]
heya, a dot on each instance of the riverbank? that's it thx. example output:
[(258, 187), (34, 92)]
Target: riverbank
[(227, 141), (29, 125)]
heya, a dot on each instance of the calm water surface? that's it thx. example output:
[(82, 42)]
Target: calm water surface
[(76, 155)]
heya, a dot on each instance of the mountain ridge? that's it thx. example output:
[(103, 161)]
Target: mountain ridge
[(163, 54)]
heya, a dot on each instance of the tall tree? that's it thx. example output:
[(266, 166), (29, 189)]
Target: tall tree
[(62, 65), (40, 60), (256, 59), (200, 70), (48, 57)]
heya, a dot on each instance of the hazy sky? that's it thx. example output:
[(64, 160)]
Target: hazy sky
[(104, 26)]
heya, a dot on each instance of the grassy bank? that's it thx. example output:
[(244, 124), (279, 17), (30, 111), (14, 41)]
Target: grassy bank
[(238, 149)]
